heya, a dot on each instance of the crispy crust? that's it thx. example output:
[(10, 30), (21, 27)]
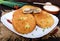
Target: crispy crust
[(19, 25), (44, 20)]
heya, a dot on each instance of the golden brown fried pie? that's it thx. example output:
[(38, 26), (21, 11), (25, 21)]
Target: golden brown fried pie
[(23, 23), (27, 9), (30, 9), (44, 19)]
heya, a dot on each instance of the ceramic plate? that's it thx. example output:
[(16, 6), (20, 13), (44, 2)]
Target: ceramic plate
[(36, 33)]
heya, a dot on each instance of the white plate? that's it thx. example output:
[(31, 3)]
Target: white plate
[(36, 33)]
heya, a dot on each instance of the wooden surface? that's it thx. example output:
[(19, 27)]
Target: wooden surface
[(7, 35)]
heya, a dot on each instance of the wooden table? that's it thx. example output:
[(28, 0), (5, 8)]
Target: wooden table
[(7, 35)]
